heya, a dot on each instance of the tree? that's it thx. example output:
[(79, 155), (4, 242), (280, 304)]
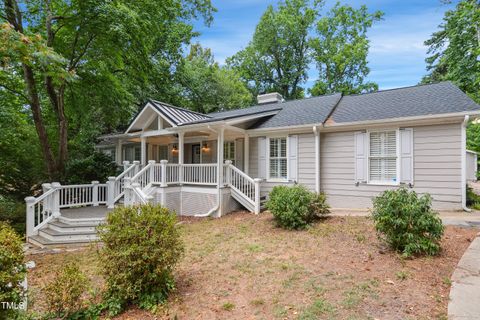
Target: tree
[(340, 50), (454, 53), (277, 57), (454, 50), (207, 87), (90, 59)]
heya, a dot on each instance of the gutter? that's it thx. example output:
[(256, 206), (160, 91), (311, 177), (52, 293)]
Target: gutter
[(464, 163)]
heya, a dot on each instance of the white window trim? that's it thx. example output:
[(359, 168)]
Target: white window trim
[(397, 142), (268, 179)]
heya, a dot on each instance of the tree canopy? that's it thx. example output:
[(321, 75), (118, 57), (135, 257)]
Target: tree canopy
[(277, 58), (340, 50), (454, 55), (72, 62), (207, 87)]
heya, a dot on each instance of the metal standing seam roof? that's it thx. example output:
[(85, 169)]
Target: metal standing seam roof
[(177, 115)]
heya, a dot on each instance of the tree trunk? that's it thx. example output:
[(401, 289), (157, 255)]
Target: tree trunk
[(15, 19)]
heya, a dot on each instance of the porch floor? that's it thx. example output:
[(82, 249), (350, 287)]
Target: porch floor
[(89, 212)]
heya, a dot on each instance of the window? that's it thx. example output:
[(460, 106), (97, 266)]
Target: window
[(229, 151), (278, 158), (162, 153), (383, 157)]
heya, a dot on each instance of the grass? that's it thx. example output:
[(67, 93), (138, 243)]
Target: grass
[(317, 309), (243, 267), (228, 306)]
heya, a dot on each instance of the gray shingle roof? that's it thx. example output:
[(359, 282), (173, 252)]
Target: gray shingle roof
[(178, 115), (437, 98), (299, 112)]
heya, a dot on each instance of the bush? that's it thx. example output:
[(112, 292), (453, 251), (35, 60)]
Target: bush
[(13, 212), (12, 269), (295, 207), (407, 222), (473, 199), (64, 295), (141, 248), (96, 167)]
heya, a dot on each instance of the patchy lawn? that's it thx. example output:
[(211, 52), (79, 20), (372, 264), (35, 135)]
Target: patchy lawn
[(242, 267)]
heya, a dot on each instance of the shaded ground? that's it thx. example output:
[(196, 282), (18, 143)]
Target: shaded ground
[(242, 267)]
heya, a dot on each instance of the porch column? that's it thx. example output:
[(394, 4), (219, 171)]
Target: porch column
[(181, 136), (316, 132), (220, 138), (118, 152), (143, 150), (246, 153)]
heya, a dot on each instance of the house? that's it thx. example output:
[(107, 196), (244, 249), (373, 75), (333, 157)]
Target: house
[(352, 147)]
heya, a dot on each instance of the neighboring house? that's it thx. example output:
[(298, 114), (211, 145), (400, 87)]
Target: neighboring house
[(472, 166), (350, 147)]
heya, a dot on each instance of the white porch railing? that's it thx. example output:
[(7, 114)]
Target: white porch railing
[(134, 184), (44, 208), (116, 185), (240, 182)]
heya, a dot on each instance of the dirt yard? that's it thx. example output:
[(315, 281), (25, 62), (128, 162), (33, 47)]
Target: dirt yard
[(242, 267)]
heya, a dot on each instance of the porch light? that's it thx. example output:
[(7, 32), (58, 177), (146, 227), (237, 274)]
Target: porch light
[(174, 149), (205, 147)]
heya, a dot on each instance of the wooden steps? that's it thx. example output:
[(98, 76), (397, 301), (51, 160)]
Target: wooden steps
[(66, 232)]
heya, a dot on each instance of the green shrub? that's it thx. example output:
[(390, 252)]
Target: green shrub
[(295, 207), (12, 269), (473, 199), (64, 294), (13, 212), (407, 222), (96, 167), (141, 246)]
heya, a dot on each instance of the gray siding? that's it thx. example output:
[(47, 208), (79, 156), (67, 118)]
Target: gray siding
[(437, 168), (306, 160)]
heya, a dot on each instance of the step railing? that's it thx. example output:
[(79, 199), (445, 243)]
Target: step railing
[(40, 210), (116, 185), (243, 184)]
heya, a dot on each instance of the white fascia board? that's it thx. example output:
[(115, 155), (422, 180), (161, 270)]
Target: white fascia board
[(405, 121), (433, 118), (148, 105)]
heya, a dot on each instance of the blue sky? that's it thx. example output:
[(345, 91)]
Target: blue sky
[(397, 54)]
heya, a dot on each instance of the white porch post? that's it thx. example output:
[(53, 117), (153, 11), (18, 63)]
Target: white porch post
[(126, 164), (118, 152), (30, 215), (316, 132), (220, 160), (181, 136), (143, 150), (56, 199), (111, 192), (246, 153), (95, 193)]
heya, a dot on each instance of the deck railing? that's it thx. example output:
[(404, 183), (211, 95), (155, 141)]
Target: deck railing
[(243, 184), (42, 209), (116, 185)]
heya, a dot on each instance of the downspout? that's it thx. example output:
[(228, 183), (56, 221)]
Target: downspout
[(217, 206), (464, 163), (316, 133)]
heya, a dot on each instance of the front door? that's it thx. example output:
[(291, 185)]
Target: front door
[(196, 153)]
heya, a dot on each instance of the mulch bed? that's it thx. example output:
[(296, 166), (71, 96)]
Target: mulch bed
[(242, 267)]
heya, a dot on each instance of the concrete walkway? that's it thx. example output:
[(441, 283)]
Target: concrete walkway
[(465, 292), (454, 218)]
